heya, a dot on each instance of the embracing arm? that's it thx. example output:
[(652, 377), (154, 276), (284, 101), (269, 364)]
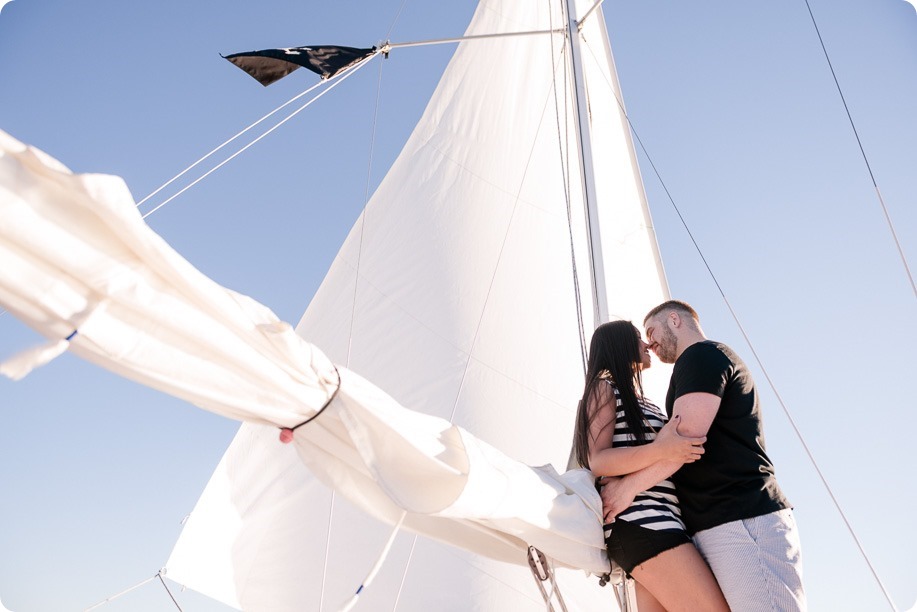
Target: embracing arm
[(669, 446), (693, 414), (607, 461)]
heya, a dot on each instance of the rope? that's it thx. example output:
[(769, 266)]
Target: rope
[(124, 592), (770, 382), (872, 177), (372, 148), (376, 566), (369, 169), (343, 78), (185, 171), (391, 28), (404, 574), (321, 601), (327, 403), (563, 144)]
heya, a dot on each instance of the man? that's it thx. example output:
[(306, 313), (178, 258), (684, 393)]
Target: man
[(730, 501)]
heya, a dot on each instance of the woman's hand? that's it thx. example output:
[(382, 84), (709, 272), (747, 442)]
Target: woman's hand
[(616, 498), (675, 447)]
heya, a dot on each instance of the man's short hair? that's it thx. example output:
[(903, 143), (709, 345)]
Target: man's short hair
[(682, 308)]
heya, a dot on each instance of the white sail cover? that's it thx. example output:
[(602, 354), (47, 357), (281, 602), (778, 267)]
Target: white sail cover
[(455, 293), (82, 267)]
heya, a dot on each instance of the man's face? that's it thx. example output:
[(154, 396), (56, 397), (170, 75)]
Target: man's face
[(661, 339)]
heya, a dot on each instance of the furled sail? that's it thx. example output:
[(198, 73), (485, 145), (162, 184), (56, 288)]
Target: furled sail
[(457, 291), (81, 267)]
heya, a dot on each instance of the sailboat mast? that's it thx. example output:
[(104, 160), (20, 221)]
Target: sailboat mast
[(587, 171)]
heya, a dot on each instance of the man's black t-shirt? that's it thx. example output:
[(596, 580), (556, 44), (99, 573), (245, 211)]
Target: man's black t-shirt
[(734, 479)]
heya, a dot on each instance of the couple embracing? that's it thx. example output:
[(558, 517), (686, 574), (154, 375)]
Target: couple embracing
[(692, 509)]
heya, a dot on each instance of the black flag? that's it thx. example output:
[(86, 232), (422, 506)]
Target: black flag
[(271, 65)]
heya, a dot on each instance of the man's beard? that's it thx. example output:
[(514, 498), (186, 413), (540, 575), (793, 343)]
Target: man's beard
[(667, 347)]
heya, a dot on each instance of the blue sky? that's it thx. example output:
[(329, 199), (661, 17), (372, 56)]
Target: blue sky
[(739, 112)]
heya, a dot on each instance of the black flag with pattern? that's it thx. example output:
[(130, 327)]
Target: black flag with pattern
[(271, 65)]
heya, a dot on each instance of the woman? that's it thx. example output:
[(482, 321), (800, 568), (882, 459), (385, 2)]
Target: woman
[(618, 431)]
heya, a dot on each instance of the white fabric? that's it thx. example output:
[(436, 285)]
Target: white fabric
[(73, 245)]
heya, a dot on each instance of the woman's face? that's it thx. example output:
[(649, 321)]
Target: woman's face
[(645, 359)]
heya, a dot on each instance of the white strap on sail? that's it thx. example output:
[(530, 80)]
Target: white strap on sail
[(22, 364), (18, 366)]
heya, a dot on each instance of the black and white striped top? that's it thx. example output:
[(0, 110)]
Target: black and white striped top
[(656, 508)]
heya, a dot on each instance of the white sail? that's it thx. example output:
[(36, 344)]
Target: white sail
[(455, 292)]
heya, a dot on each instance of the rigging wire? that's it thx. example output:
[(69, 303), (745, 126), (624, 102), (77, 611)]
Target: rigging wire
[(440, 41), (137, 586), (369, 172), (369, 168), (226, 142), (353, 310), (385, 49), (563, 143), (404, 574), (166, 587), (391, 28), (124, 592), (353, 70), (748, 341), (856, 133), (321, 599)]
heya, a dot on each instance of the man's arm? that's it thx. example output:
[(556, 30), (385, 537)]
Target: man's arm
[(696, 412), (669, 445)]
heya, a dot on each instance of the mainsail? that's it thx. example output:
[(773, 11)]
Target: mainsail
[(464, 291)]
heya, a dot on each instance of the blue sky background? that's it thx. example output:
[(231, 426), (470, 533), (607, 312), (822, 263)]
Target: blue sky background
[(739, 112)]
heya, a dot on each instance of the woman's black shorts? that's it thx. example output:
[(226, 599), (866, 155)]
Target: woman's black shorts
[(630, 545)]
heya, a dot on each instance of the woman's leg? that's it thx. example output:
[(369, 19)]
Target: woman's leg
[(645, 600), (679, 579)]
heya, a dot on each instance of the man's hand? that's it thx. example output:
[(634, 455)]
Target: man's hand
[(673, 446), (616, 497)]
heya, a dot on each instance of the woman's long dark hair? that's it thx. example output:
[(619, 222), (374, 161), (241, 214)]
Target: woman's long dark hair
[(615, 349)]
